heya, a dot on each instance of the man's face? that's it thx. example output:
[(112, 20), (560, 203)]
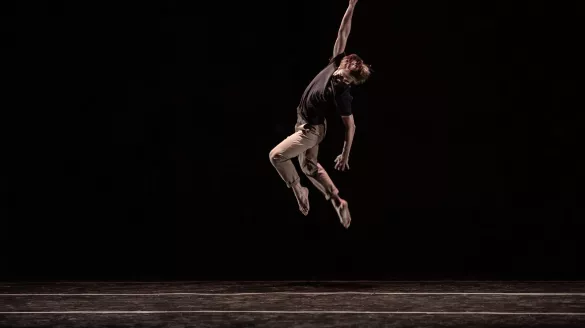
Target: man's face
[(353, 65), (350, 63)]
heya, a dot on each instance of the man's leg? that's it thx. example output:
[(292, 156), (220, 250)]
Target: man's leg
[(316, 173), (319, 177), (281, 157)]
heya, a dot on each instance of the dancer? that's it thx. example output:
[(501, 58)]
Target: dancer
[(328, 92)]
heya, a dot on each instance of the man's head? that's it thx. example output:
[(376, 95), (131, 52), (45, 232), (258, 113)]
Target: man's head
[(353, 70)]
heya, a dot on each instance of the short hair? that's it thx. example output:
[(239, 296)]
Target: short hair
[(362, 73)]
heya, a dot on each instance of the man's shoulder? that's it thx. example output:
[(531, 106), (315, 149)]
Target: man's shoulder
[(343, 89)]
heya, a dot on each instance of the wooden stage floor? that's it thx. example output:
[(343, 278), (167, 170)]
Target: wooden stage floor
[(293, 304)]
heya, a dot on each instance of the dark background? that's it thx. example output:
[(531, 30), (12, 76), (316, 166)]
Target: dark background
[(136, 139)]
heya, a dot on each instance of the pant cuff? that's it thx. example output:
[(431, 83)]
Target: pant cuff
[(294, 182), (329, 194)]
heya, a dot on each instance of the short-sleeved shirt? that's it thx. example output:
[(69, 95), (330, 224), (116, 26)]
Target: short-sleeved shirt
[(325, 95)]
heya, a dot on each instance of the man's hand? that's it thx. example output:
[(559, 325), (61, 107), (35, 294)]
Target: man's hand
[(353, 2), (342, 163)]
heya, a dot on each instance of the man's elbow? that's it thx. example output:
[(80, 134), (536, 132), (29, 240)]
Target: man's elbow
[(340, 45), (342, 36)]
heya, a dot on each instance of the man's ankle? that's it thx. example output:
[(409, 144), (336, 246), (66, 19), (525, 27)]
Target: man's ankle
[(297, 188)]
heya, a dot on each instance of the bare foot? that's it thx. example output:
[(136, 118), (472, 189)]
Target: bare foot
[(343, 212), (303, 199)]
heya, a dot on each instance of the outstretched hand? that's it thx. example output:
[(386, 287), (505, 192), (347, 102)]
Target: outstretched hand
[(342, 163), (353, 2)]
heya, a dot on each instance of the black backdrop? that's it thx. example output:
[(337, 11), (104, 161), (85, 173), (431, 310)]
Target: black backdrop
[(146, 129)]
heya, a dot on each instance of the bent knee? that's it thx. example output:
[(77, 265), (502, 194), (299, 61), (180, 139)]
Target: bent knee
[(275, 156)]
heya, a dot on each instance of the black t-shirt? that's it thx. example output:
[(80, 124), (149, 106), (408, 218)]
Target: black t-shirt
[(324, 95)]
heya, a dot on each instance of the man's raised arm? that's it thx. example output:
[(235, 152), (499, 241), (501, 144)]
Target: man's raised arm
[(344, 29)]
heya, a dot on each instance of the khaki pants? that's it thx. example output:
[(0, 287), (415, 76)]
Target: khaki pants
[(304, 143)]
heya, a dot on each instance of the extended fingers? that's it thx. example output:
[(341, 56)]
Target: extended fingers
[(341, 165)]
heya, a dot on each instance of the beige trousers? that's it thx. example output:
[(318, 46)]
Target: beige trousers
[(304, 143)]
